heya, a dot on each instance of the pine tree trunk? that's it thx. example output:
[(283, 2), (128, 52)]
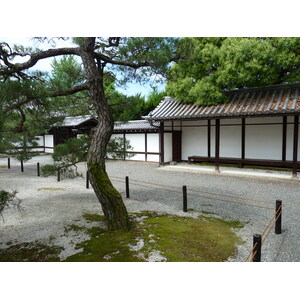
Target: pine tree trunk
[(111, 200)]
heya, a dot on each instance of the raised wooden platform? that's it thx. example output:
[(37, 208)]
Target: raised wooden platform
[(241, 162)]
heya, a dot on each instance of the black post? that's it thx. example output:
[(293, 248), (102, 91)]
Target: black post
[(87, 179), (184, 198), (8, 162), (38, 169), (257, 249), (295, 145), (278, 216), (127, 186), (22, 166), (58, 175)]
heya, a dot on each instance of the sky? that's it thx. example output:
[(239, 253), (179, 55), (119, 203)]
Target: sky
[(45, 65)]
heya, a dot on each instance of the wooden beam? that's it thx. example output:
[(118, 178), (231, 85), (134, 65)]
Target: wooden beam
[(208, 137), (284, 130), (161, 144), (217, 145), (295, 145)]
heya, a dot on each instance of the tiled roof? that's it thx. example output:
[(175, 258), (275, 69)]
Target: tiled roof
[(75, 121), (138, 125), (270, 100)]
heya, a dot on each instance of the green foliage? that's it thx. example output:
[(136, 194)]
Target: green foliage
[(209, 66), (8, 199), (117, 148), (66, 156), (48, 170)]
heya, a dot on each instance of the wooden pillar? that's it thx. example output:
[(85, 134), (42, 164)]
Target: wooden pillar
[(124, 145), (295, 145), (146, 146), (208, 138), (243, 141), (161, 144), (217, 145), (284, 129)]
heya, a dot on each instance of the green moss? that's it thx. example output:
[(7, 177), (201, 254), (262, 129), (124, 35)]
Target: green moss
[(3, 166), (94, 217), (31, 252), (177, 238)]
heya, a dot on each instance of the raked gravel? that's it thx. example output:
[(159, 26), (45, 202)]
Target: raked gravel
[(48, 213)]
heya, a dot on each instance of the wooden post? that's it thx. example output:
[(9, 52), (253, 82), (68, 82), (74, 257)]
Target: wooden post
[(284, 130), (257, 249), (87, 179), (243, 141), (127, 186), (22, 166), (146, 146), (217, 145), (184, 193), (161, 144), (295, 145), (208, 138), (38, 169), (278, 216), (58, 175), (8, 162)]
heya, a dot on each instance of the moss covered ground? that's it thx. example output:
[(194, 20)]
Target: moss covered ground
[(173, 238)]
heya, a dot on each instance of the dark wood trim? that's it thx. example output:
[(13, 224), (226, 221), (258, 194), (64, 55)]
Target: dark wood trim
[(124, 145), (217, 145), (138, 152), (295, 145), (243, 140), (208, 137), (161, 144), (146, 146), (284, 130)]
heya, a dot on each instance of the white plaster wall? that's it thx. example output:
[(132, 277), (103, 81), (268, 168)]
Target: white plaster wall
[(167, 147), (153, 158), (137, 141), (48, 143), (230, 141), (152, 142), (194, 141), (263, 141), (138, 157)]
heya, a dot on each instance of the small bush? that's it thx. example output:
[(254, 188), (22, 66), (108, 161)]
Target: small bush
[(8, 199), (48, 170)]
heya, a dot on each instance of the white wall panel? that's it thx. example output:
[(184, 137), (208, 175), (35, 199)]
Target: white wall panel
[(48, 140), (194, 141), (230, 141), (152, 142), (168, 147), (152, 157), (263, 141), (137, 141)]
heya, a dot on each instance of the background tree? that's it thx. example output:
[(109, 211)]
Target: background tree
[(210, 65), (133, 58)]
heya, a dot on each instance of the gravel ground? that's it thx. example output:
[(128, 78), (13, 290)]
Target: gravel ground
[(47, 213)]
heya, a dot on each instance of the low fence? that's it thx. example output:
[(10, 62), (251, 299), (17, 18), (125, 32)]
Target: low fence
[(258, 239)]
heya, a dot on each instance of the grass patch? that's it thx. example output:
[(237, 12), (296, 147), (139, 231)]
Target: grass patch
[(176, 238), (50, 189), (30, 252), (3, 166)]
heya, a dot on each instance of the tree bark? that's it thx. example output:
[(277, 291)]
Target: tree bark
[(111, 200)]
